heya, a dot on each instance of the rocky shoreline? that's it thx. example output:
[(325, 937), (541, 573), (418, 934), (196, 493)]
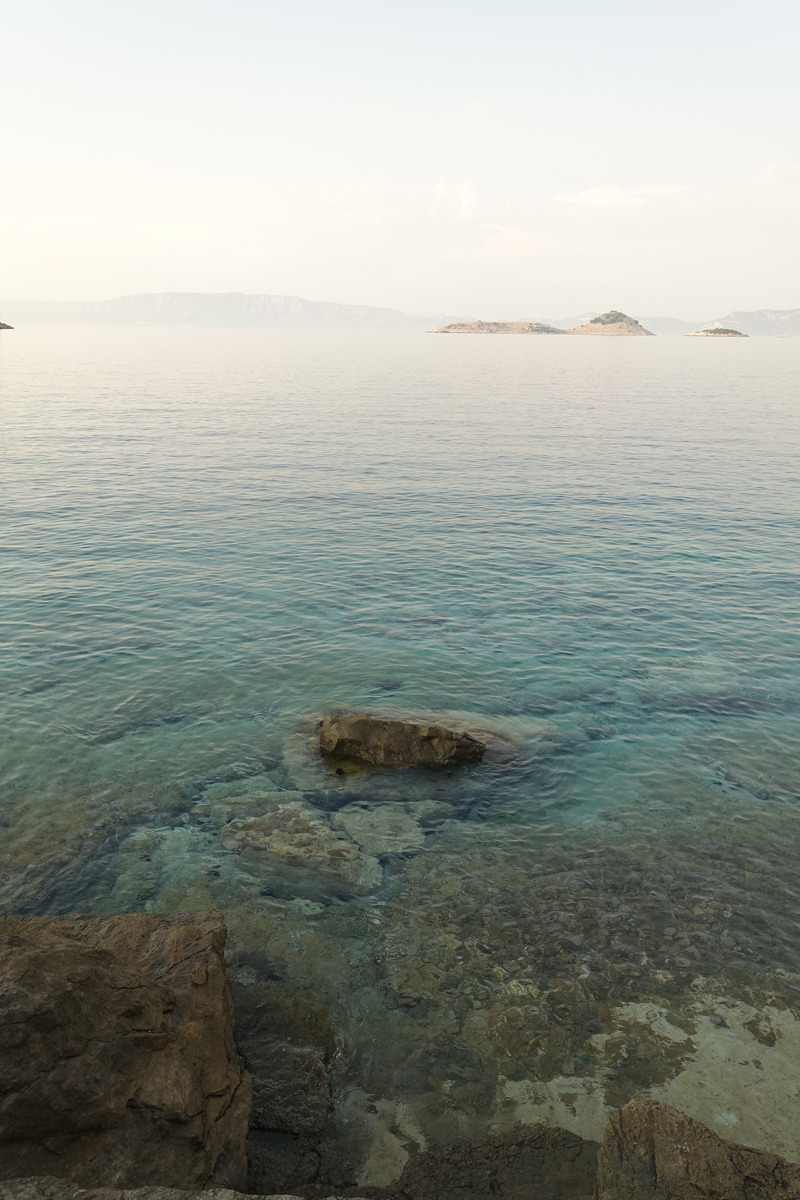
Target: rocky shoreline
[(517, 1015), (120, 1080)]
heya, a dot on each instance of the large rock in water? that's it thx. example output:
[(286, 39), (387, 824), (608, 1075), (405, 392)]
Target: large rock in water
[(391, 743), (117, 1060), (653, 1152)]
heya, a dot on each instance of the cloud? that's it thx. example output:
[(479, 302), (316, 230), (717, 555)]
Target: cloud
[(496, 242), (604, 196), (461, 199)]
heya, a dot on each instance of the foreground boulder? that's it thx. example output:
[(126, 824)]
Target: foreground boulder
[(117, 1060), (653, 1152), (390, 743)]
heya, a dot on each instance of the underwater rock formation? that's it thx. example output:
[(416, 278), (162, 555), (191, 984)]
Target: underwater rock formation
[(304, 836), (291, 1089), (392, 743), (542, 1162), (386, 829), (117, 1060), (653, 1152)]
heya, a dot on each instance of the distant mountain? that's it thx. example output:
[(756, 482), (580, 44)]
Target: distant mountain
[(669, 326), (573, 322), (220, 309), (243, 311), (770, 322)]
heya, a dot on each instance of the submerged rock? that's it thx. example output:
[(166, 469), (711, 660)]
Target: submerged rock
[(291, 1089), (303, 836), (386, 829), (542, 1162), (653, 1152), (117, 1060), (393, 743)]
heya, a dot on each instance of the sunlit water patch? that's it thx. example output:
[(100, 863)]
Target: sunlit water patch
[(590, 549)]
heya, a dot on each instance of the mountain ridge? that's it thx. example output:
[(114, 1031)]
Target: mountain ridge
[(762, 322), (213, 309), (265, 311)]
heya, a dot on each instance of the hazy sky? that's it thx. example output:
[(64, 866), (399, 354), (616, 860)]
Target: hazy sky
[(495, 160)]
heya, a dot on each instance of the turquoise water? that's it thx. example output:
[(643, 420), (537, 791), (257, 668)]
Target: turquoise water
[(592, 544)]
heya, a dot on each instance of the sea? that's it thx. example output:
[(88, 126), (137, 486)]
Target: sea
[(589, 547)]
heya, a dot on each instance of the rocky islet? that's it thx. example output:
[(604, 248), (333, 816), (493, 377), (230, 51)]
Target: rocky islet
[(716, 332), (612, 323)]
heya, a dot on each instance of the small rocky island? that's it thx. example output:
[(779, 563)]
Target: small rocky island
[(497, 327), (716, 333), (4, 326), (615, 324), (612, 323)]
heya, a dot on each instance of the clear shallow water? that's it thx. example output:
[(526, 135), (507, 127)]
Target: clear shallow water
[(593, 544)]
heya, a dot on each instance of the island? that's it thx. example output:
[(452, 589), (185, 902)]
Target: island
[(496, 327), (4, 326), (716, 333), (614, 323)]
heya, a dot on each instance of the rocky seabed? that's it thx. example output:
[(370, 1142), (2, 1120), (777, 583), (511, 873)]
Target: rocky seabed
[(398, 1005)]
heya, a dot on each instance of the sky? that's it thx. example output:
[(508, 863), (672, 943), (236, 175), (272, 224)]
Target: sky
[(505, 160)]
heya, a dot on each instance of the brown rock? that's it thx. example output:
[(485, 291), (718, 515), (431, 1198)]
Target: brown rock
[(391, 743), (117, 1060), (536, 1163), (653, 1152), (291, 1090), (295, 833)]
